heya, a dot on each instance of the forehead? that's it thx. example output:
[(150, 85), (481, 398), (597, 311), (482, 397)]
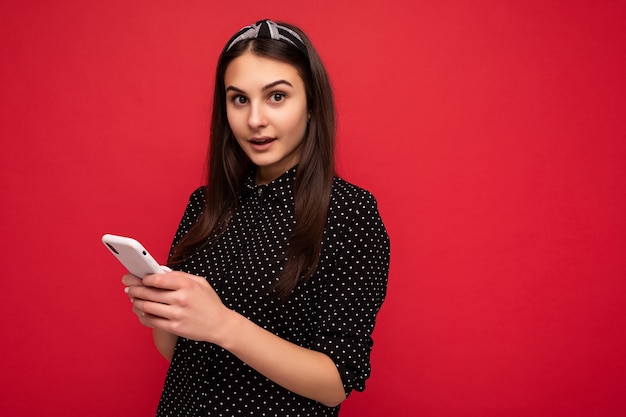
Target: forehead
[(250, 71)]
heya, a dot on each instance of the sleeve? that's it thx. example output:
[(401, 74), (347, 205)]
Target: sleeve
[(353, 293)]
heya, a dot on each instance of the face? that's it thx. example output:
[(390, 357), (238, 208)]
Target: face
[(267, 112)]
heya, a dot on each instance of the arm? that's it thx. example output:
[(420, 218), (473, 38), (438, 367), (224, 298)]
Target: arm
[(354, 288), (165, 343), (306, 372), (181, 304)]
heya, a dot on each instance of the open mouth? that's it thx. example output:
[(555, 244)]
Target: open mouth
[(261, 141)]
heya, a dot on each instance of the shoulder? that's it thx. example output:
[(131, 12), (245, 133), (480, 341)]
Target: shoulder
[(355, 224), (345, 194), (199, 193), (195, 205), (353, 207), (198, 197)]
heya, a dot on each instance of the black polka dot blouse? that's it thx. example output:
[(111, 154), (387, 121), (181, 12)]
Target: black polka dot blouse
[(333, 312)]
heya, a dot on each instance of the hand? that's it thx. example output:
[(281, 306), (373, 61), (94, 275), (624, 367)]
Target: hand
[(131, 281), (179, 303)]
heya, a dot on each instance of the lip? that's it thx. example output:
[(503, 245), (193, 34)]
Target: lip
[(261, 143)]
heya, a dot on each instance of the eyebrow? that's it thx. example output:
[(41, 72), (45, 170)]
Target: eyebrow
[(267, 87)]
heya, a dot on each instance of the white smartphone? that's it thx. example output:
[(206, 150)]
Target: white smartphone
[(133, 255)]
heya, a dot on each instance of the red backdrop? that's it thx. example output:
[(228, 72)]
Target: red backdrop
[(492, 133)]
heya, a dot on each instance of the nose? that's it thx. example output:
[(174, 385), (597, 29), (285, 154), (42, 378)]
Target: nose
[(257, 117)]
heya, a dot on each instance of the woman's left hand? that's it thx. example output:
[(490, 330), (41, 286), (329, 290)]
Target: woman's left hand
[(191, 308)]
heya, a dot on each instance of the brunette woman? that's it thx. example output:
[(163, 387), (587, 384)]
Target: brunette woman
[(280, 267)]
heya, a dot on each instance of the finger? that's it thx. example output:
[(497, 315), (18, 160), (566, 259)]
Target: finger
[(130, 279), (156, 295), (166, 281), (144, 318), (127, 291), (148, 310)]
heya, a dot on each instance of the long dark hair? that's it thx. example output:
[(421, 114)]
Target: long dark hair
[(228, 165)]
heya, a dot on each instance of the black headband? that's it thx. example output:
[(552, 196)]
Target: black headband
[(267, 29)]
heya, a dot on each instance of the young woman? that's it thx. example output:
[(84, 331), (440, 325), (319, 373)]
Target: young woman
[(280, 267)]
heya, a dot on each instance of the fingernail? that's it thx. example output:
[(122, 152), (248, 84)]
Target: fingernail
[(126, 290)]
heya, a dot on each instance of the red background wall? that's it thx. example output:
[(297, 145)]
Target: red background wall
[(491, 132)]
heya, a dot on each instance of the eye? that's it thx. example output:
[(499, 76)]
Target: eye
[(277, 97), (240, 100)]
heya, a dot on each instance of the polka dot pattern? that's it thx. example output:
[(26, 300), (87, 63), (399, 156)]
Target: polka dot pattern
[(334, 312)]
